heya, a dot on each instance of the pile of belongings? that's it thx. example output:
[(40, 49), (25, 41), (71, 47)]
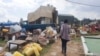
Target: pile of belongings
[(3, 53), (14, 29), (43, 40), (73, 33), (82, 31), (33, 36), (36, 34), (5, 30), (43, 37), (47, 36), (29, 50), (50, 32)]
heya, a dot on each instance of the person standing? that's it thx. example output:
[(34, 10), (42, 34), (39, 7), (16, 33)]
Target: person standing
[(64, 33)]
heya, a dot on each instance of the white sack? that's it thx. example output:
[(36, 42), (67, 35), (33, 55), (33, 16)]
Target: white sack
[(15, 28)]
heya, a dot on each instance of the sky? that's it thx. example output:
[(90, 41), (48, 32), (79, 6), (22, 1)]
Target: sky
[(13, 10)]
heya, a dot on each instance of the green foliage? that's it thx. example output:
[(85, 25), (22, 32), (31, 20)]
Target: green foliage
[(2, 43), (45, 49)]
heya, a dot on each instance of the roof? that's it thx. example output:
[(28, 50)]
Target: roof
[(42, 11), (93, 23), (65, 15)]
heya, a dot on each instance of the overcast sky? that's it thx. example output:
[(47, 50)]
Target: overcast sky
[(13, 10)]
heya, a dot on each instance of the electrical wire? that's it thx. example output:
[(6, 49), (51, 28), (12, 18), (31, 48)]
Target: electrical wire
[(83, 3)]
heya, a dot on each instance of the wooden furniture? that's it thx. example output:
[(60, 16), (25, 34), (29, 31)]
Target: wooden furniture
[(17, 42)]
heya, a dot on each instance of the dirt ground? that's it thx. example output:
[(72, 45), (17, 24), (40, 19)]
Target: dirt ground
[(74, 49)]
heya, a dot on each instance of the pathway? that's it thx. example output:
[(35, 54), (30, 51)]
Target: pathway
[(74, 49)]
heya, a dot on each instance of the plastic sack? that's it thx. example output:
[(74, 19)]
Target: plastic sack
[(42, 34), (83, 32), (5, 30), (1, 48), (43, 40), (50, 32), (17, 54), (54, 32), (8, 54), (14, 29)]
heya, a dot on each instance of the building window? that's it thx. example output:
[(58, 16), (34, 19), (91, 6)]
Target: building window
[(45, 21)]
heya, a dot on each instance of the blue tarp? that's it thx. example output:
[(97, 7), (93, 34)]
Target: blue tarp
[(7, 24), (37, 26)]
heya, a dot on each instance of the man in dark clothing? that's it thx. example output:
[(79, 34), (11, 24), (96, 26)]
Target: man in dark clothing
[(65, 31)]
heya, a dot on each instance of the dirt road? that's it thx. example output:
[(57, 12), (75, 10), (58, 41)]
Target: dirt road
[(74, 49)]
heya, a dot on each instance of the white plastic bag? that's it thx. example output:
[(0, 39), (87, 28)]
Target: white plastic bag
[(42, 34), (14, 29), (1, 48), (54, 32), (8, 54)]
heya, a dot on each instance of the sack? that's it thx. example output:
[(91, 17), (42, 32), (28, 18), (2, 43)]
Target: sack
[(8, 54)]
